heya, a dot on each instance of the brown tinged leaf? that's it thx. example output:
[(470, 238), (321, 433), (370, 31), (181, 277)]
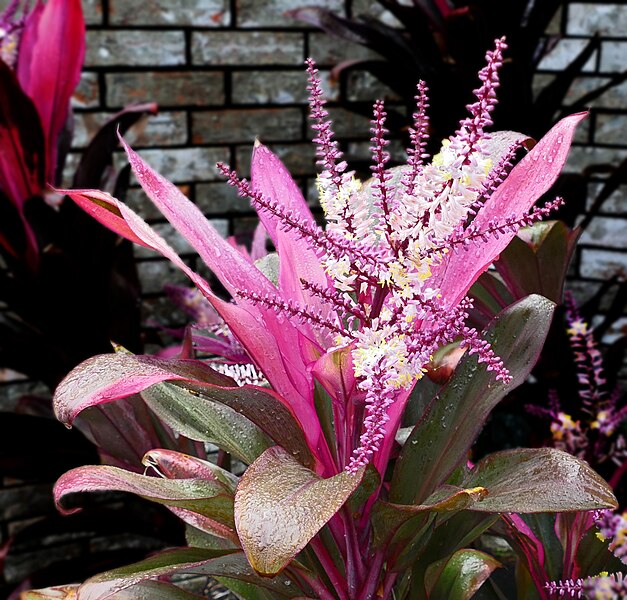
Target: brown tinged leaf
[(281, 505)]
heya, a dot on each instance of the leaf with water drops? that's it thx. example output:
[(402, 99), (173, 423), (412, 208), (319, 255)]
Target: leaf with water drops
[(459, 576), (280, 506), (387, 517), (210, 499), (214, 563), (536, 480), (109, 377), (453, 420), (244, 421)]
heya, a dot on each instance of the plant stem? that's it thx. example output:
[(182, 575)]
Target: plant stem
[(354, 564), (316, 585), (388, 583), (339, 583), (369, 588)]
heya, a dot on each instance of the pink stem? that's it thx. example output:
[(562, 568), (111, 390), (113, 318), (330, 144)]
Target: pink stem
[(339, 583), (369, 589)]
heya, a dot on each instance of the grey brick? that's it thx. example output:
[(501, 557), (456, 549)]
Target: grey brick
[(252, 13), (135, 48), (92, 10), (606, 232), (564, 53), (25, 501), (611, 129), (613, 57), (166, 88), (613, 98), (154, 274), (244, 125), (328, 50), (244, 48), (163, 129), (617, 330), (220, 198), (374, 10), (616, 202), (20, 566), (87, 93), (269, 87), (581, 157), (200, 13), (606, 19), (184, 164), (363, 86), (347, 123), (161, 312), (603, 264)]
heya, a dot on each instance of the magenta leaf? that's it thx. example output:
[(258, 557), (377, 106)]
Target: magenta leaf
[(49, 65), (532, 177), (261, 332), (270, 177), (22, 160), (207, 498), (174, 465), (280, 506), (109, 377)]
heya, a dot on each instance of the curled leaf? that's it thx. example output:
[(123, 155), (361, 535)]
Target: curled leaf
[(280, 506)]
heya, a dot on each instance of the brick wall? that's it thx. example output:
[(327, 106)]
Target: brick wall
[(226, 71), (602, 251)]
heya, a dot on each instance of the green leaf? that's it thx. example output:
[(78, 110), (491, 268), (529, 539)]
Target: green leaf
[(368, 486), (197, 538), (536, 480), (269, 265), (209, 499), (280, 505), (215, 563), (594, 556), (452, 422), (206, 421), (146, 590), (388, 517), (459, 576), (265, 409), (536, 260)]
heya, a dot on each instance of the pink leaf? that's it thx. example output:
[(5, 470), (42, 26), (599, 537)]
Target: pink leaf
[(51, 55), (109, 377), (209, 499), (270, 177), (532, 177)]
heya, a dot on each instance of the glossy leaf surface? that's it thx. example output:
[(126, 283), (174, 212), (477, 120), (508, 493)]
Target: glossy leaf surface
[(184, 560), (280, 506), (517, 336), (536, 480), (209, 499), (460, 576)]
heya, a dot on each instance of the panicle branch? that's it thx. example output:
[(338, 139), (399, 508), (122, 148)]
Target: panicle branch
[(327, 149), (472, 129), (304, 314), (380, 157)]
